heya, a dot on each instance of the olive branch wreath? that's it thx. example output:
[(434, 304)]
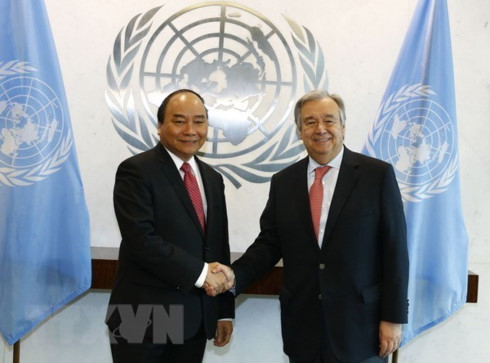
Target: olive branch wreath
[(26, 176), (132, 127), (311, 57), (15, 67), (409, 192)]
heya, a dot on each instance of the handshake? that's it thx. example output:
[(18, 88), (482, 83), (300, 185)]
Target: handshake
[(220, 278)]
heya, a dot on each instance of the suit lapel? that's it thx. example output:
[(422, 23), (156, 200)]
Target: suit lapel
[(175, 180), (348, 176), (210, 189)]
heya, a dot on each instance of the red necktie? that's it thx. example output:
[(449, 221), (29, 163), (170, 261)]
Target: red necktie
[(316, 197), (190, 183)]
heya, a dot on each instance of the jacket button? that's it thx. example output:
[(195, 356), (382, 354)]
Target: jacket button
[(322, 266), (319, 296)]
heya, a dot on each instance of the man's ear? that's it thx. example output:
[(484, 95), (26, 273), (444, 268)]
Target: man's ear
[(298, 132)]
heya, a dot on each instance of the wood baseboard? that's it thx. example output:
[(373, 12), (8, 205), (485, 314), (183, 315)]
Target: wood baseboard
[(104, 274)]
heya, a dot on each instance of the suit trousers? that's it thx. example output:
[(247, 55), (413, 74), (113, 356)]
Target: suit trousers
[(191, 351), (335, 360), (328, 355)]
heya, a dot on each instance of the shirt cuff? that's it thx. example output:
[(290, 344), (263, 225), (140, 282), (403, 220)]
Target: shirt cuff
[(202, 277)]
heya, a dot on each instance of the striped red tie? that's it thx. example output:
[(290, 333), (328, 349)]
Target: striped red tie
[(190, 183), (316, 197)]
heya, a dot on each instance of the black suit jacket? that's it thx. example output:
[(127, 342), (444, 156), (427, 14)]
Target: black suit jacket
[(163, 245), (358, 277)]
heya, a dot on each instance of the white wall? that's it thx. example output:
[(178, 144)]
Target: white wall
[(361, 40)]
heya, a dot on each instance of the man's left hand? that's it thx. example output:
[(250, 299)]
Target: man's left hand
[(390, 336), (223, 333)]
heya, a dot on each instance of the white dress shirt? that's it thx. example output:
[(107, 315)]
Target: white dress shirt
[(329, 182)]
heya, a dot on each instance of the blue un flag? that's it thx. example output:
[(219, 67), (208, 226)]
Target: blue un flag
[(415, 130), (44, 225)]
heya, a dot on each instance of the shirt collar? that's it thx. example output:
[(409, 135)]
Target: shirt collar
[(334, 163), (179, 162)]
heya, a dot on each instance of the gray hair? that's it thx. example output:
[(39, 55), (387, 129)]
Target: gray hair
[(316, 95)]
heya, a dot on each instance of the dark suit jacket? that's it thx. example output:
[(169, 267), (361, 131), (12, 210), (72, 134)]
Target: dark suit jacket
[(356, 279), (163, 246)]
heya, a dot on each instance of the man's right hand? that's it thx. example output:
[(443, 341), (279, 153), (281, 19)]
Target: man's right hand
[(220, 278)]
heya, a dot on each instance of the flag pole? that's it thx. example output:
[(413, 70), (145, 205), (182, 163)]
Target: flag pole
[(394, 358), (17, 352)]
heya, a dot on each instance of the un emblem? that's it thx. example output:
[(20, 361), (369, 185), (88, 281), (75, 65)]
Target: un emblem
[(415, 134), (33, 139), (242, 65)]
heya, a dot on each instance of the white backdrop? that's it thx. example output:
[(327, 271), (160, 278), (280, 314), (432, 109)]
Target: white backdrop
[(360, 41)]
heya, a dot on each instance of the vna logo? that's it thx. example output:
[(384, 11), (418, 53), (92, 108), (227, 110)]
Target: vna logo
[(245, 68)]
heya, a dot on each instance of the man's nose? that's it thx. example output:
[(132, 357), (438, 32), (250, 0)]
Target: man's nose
[(189, 128), (320, 127)]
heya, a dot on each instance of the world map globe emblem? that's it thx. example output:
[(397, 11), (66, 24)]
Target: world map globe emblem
[(236, 59), (31, 122), (418, 140), (248, 73)]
